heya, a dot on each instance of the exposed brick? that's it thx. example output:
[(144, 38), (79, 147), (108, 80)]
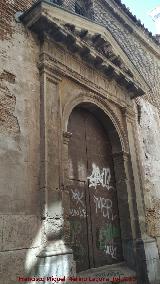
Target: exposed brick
[(7, 76), (8, 8), (144, 60)]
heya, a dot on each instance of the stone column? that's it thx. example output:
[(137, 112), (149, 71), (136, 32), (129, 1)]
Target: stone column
[(56, 258), (66, 139), (147, 259), (126, 207), (66, 197)]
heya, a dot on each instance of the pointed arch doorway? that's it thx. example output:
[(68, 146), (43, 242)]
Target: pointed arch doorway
[(95, 235)]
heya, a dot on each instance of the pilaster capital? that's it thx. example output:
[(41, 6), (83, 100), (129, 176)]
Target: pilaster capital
[(48, 69), (66, 137), (128, 113)]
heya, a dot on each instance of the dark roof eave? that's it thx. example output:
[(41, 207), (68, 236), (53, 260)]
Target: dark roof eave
[(118, 2), (41, 25)]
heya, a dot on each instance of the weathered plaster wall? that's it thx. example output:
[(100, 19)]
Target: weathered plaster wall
[(19, 152), (149, 137)]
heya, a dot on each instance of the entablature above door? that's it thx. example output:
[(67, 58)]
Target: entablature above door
[(90, 41)]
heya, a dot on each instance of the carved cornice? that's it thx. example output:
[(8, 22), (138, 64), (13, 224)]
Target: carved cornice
[(93, 48), (57, 66), (104, 52)]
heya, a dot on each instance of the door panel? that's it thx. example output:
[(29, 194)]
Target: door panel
[(103, 198), (79, 224), (90, 158), (77, 147), (78, 190)]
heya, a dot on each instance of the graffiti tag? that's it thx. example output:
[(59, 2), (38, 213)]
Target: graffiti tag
[(78, 212), (77, 196), (111, 250), (104, 206), (99, 177)]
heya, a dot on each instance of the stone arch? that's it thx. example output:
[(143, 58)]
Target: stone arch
[(121, 159), (93, 100)]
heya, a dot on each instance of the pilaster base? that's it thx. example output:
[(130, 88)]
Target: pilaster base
[(53, 262), (148, 262)]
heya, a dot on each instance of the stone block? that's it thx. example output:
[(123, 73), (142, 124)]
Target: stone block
[(111, 272), (18, 189), (54, 229), (1, 232), (66, 203), (12, 265), (20, 231), (53, 173), (57, 266), (18, 263), (54, 204), (152, 260), (50, 174)]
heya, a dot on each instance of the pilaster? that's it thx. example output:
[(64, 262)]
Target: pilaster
[(147, 264), (126, 207), (56, 258)]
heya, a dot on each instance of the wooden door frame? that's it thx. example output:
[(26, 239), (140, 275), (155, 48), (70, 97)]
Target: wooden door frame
[(76, 120), (121, 159)]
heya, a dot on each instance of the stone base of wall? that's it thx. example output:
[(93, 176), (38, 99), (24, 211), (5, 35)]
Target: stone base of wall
[(114, 273)]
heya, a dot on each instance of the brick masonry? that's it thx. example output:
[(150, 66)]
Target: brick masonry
[(145, 61), (19, 154)]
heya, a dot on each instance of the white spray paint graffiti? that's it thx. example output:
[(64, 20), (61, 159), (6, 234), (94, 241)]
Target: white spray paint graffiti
[(111, 250), (78, 212), (78, 196), (105, 206), (100, 177)]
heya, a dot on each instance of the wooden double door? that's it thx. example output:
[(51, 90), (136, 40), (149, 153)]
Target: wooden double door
[(95, 235)]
